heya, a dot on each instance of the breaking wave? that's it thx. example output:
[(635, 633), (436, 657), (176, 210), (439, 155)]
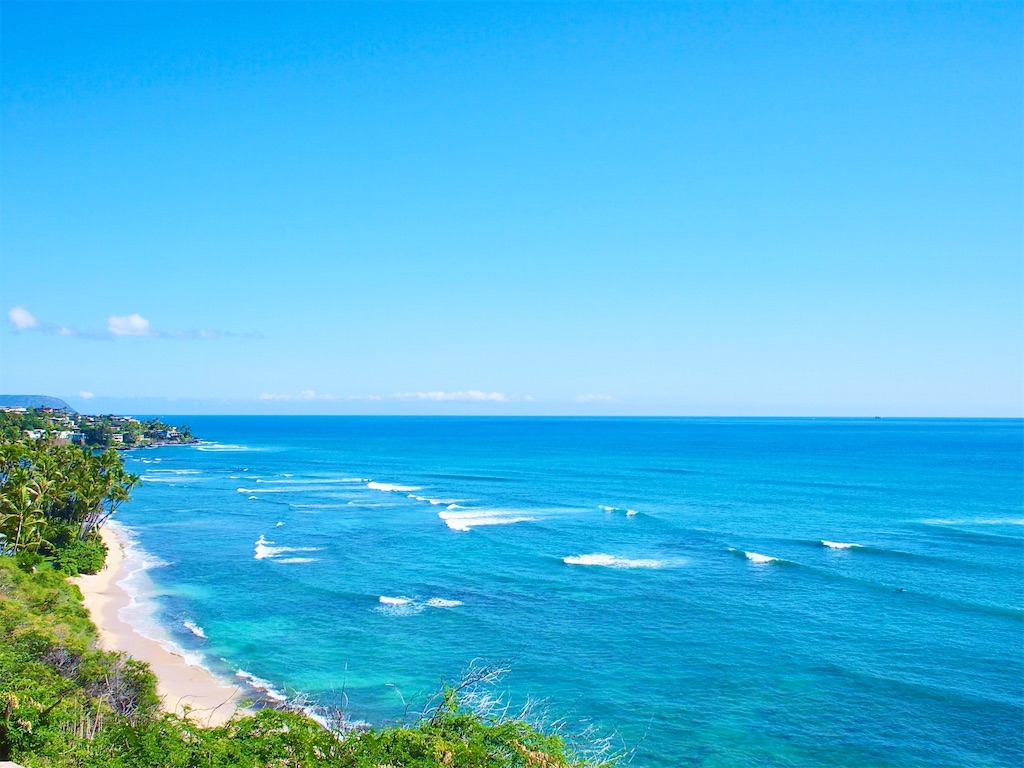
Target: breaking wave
[(757, 557), (265, 550), (440, 602), (467, 521), (261, 685), (611, 561), (389, 487)]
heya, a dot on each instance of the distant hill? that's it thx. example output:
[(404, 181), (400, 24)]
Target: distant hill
[(34, 401)]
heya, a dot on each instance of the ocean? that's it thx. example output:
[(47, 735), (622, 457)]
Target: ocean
[(690, 592)]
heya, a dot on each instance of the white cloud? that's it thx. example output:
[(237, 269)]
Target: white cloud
[(22, 319), (85, 395), (306, 394), (595, 399), (128, 325), (472, 394), (118, 325)]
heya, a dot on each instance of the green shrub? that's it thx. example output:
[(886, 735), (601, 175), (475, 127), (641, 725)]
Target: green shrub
[(81, 556)]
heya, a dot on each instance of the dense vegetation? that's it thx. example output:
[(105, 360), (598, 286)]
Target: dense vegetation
[(66, 703), (54, 498)]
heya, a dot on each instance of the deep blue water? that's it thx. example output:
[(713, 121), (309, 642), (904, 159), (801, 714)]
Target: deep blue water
[(664, 580)]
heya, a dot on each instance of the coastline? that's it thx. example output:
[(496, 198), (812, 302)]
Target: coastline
[(183, 688)]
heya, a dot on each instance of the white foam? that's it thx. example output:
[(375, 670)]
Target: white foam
[(194, 628), (310, 480), (388, 487), (449, 503), (265, 550), (467, 521), (295, 560), (755, 557), (307, 488), (260, 684), (174, 471), (398, 606), (279, 524), (606, 508), (140, 612), (440, 602), (838, 544), (226, 447), (611, 561)]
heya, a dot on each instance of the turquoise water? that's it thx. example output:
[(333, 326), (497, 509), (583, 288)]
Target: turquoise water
[(664, 580)]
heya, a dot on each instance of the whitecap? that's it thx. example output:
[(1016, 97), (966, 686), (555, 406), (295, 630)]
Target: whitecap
[(611, 561), (279, 524), (265, 549), (398, 606), (631, 513), (837, 544), (755, 557), (387, 487), (466, 521), (440, 602), (194, 628)]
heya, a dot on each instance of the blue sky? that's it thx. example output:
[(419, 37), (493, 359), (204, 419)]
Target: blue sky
[(684, 209)]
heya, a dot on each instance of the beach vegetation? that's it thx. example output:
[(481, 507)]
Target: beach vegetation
[(54, 499)]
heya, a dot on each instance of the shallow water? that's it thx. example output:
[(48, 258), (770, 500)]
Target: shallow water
[(685, 585)]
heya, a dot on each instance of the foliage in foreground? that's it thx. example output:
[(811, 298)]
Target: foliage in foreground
[(64, 703)]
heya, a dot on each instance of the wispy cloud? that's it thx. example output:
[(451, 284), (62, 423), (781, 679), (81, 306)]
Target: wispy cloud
[(309, 395), (471, 395), (118, 326), (306, 394), (596, 399), (85, 395)]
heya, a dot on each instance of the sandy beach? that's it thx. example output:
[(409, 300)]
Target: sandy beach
[(182, 687)]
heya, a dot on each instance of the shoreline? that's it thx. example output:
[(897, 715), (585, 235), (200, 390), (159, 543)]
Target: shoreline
[(184, 689)]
